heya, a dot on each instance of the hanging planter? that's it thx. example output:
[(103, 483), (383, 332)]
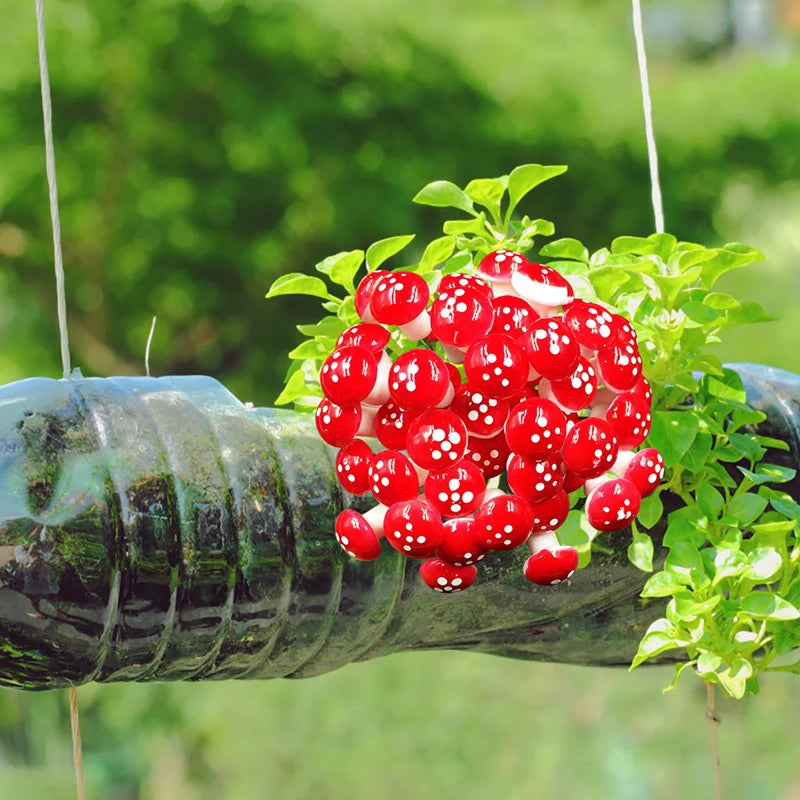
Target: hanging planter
[(159, 529)]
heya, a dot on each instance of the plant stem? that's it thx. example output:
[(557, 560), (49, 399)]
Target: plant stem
[(77, 750), (714, 721)]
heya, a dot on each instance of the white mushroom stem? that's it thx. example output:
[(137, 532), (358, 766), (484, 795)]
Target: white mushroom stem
[(543, 310), (491, 493), (454, 354), (448, 397), (380, 391), (594, 483), (503, 288), (374, 518), (623, 462), (367, 426), (419, 327), (546, 391), (598, 410), (533, 375), (542, 541)]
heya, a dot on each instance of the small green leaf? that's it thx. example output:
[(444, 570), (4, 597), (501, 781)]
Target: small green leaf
[(694, 459), (765, 563), (731, 256), (487, 192), (299, 283), (458, 227), (662, 584), (748, 313), (381, 251), (526, 177), (295, 387), (568, 249), (767, 605), (727, 563), (734, 678), (651, 510), (640, 551), (727, 387), (444, 194), (342, 267), (745, 508), (708, 662), (769, 473), (710, 500), (686, 564), (660, 636), (313, 348), (331, 327), (747, 446), (436, 252), (700, 313), (679, 668), (672, 434), (688, 609), (720, 301)]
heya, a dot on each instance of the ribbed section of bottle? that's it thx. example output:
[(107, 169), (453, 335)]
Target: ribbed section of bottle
[(159, 529)]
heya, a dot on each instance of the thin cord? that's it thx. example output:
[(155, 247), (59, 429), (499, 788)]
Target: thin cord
[(77, 752), (714, 722), (147, 348), (658, 210), (50, 160)]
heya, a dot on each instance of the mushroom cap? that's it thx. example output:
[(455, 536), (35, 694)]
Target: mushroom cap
[(436, 439), (576, 391), (591, 324), (496, 364), (551, 567), (348, 375), (461, 316), (590, 448), (413, 528), (488, 454), (512, 315), (447, 578), (399, 297), (535, 480), (463, 280), (613, 505), (356, 536), (620, 365), (371, 335), (461, 545), (542, 285), (536, 428), (483, 416), (337, 425), (646, 470), (419, 379), (392, 477), (504, 522), (364, 293), (457, 491), (352, 466), (500, 265), (392, 423), (552, 349), (551, 513), (630, 419)]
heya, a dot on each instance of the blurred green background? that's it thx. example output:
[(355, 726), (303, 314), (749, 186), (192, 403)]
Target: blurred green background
[(205, 147)]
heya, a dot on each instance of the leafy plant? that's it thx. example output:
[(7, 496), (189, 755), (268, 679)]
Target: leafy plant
[(730, 576)]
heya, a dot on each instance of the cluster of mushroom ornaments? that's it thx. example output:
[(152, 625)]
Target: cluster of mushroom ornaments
[(514, 383)]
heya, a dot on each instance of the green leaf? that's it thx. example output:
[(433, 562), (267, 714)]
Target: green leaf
[(688, 609), (444, 194), (568, 249), (672, 433), (640, 551), (727, 563), (526, 177), (746, 507), (767, 605), (314, 348), (487, 192), (700, 313), (437, 251), (734, 678), (296, 387), (727, 387), (662, 584), (769, 473), (651, 510), (686, 564), (695, 457), (299, 283), (688, 525), (720, 301), (731, 256), (458, 227), (660, 636), (765, 563), (331, 327), (342, 267), (708, 662), (659, 244), (748, 313), (710, 500), (747, 446), (381, 251), (679, 668)]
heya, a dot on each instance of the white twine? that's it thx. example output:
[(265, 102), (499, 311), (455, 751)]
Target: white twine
[(50, 161), (147, 348), (658, 210)]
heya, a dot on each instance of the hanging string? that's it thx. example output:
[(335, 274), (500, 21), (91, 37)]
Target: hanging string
[(77, 751), (658, 210), (50, 160), (147, 348)]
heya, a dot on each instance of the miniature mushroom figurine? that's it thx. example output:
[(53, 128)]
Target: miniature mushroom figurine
[(447, 578), (436, 439), (497, 269), (543, 287), (551, 566), (356, 536), (457, 491), (613, 505), (462, 546), (400, 298), (413, 528)]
